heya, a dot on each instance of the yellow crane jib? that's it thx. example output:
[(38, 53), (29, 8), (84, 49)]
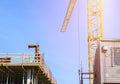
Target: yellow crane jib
[(68, 15)]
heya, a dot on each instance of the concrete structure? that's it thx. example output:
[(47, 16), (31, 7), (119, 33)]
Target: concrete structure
[(107, 62), (22, 68)]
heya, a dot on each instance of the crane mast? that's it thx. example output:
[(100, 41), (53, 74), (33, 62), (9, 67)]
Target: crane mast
[(95, 32)]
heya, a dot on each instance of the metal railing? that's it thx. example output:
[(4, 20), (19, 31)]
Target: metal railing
[(26, 57)]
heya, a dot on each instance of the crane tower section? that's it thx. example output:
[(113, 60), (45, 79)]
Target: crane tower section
[(95, 32)]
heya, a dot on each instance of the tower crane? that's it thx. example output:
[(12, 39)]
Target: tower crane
[(95, 32)]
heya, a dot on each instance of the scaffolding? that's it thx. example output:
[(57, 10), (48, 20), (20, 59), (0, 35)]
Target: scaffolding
[(22, 68)]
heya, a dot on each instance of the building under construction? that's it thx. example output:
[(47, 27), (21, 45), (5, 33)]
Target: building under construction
[(25, 68)]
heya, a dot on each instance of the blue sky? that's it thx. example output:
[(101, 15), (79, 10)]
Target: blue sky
[(39, 21)]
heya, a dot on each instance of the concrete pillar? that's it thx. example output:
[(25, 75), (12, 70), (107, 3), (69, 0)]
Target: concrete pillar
[(29, 76)]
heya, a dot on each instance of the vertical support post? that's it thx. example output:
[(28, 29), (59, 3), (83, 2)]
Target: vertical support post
[(36, 80), (12, 81), (81, 78), (32, 77), (29, 76), (7, 78), (1, 79), (4, 78), (10, 78), (79, 75), (23, 78)]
